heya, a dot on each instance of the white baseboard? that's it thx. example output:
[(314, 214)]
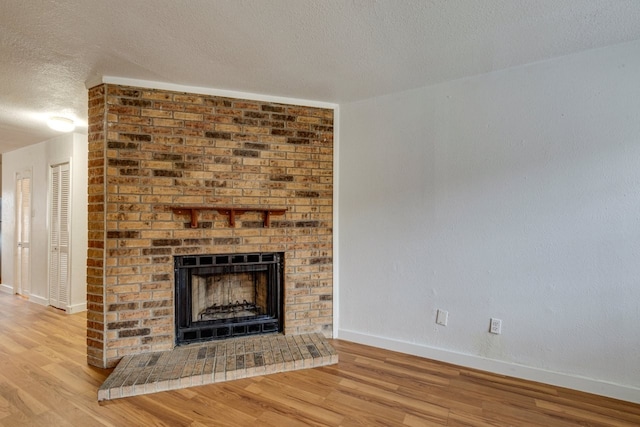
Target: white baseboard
[(588, 385), (76, 308), (71, 309), (39, 300)]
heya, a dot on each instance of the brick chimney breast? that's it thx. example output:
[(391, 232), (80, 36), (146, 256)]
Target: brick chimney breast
[(150, 150)]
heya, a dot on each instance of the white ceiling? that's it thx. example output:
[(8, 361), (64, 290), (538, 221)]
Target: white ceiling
[(324, 50)]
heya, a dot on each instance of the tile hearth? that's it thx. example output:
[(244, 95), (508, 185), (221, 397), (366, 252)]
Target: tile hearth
[(216, 361)]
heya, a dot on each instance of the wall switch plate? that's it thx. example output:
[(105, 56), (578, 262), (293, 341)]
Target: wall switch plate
[(442, 317), (496, 326)]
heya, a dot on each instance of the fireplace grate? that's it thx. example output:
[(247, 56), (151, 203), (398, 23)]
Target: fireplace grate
[(226, 311)]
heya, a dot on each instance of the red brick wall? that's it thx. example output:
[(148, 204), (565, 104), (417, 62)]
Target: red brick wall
[(150, 150)]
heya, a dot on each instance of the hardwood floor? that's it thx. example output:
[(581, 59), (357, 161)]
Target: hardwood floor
[(45, 381)]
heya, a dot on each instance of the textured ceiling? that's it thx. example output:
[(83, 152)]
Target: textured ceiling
[(324, 50)]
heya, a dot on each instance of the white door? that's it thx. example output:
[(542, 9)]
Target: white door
[(59, 235), (23, 233)]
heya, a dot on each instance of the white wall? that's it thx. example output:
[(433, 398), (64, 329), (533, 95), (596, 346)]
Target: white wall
[(513, 195), (38, 158)]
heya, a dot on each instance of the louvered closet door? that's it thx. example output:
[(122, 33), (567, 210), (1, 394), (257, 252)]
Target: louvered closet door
[(59, 236)]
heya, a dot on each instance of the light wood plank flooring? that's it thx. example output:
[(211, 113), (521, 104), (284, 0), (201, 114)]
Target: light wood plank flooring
[(45, 381)]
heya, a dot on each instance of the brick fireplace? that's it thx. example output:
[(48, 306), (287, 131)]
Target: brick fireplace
[(153, 152)]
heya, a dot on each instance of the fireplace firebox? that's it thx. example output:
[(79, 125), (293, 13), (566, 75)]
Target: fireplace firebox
[(222, 296)]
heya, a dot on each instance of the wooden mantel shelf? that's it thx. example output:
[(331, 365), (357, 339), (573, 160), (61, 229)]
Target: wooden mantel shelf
[(232, 212)]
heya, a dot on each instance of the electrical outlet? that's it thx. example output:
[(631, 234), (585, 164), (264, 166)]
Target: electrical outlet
[(442, 317), (496, 326)]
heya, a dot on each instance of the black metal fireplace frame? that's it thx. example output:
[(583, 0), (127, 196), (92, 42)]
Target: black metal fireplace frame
[(189, 331)]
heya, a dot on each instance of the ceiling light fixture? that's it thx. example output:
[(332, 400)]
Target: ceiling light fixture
[(61, 124)]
